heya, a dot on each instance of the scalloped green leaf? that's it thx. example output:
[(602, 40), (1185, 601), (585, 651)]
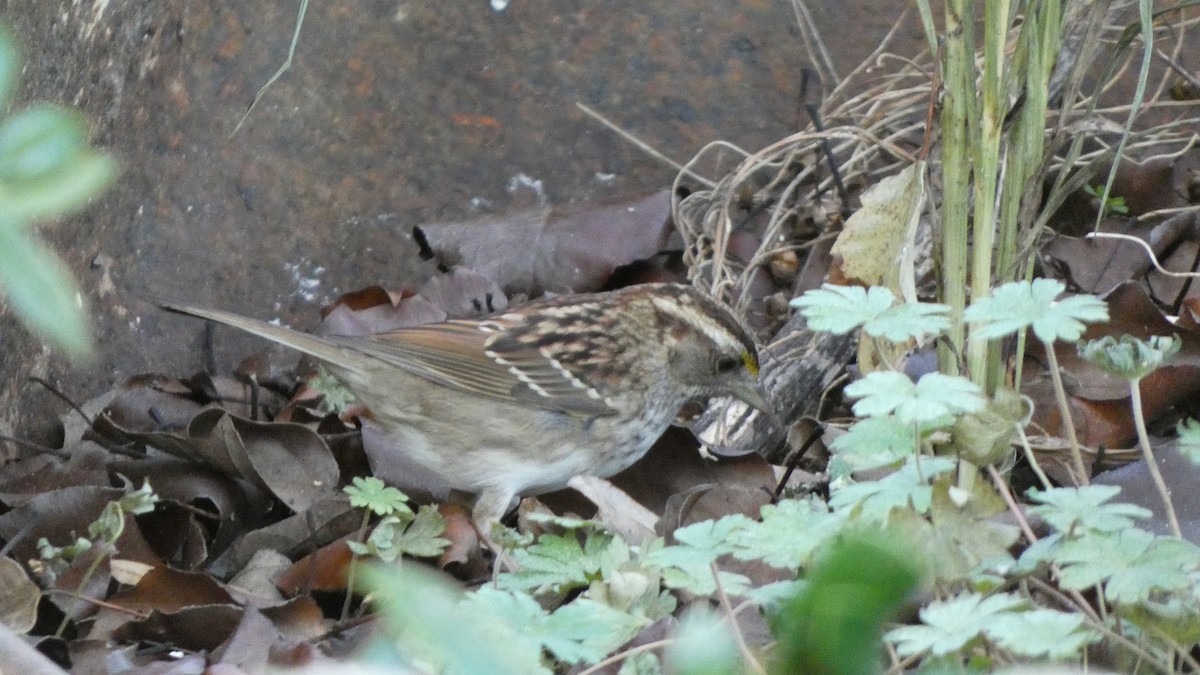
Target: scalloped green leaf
[(931, 398), (1021, 304)]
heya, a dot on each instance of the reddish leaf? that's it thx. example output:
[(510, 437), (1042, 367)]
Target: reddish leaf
[(1101, 407), (464, 553), (299, 618), (322, 570), (166, 590)]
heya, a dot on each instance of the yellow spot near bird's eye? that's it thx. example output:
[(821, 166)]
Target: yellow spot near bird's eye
[(750, 362)]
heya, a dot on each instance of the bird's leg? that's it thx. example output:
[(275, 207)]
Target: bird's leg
[(490, 507)]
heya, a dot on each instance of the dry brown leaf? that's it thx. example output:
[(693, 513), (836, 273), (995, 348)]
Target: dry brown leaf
[(871, 249), (557, 249), (19, 597)]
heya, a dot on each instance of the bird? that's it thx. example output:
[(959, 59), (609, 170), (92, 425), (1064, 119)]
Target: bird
[(518, 403)]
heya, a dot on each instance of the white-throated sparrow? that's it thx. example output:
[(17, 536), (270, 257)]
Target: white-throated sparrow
[(519, 403)]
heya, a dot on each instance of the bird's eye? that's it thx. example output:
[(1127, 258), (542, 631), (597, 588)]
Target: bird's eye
[(727, 364)]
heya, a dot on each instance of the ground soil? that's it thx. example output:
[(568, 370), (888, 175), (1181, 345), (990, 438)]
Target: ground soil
[(393, 113)]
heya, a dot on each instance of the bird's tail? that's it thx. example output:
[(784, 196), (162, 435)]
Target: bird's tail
[(315, 345)]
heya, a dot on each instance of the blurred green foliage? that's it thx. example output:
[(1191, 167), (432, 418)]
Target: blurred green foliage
[(833, 625), (47, 171)]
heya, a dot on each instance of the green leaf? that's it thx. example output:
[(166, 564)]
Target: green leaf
[(1166, 566), (1113, 204), (713, 535), (335, 397), (1020, 304), (834, 624), (1041, 551), (1041, 633), (1129, 358), (371, 493), (770, 596), (38, 142), (909, 321), (703, 645), (1189, 440), (60, 192), (688, 565), (422, 538), (42, 292), (841, 309), (933, 397), (642, 663), (46, 167), (580, 631), (381, 543), (109, 525), (874, 442), (690, 569), (59, 557), (966, 538), (904, 488), (427, 618), (557, 562), (985, 437), (587, 631), (140, 501), (1065, 509), (1090, 560), (790, 532), (951, 625)]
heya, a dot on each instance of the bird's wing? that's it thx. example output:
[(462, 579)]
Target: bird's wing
[(460, 355)]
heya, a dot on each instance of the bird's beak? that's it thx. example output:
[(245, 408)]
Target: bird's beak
[(753, 395)]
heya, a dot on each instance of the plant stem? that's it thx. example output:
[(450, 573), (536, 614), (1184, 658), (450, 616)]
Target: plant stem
[(100, 556), (958, 66), (987, 126), (362, 530), (1060, 395), (1135, 396), (748, 659), (1033, 463)]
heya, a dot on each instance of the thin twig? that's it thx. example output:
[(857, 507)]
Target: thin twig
[(1149, 252), (1060, 395), (624, 654), (644, 146), (282, 69), (1002, 488), (810, 37), (43, 449), (731, 617), (1033, 463), (74, 406)]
